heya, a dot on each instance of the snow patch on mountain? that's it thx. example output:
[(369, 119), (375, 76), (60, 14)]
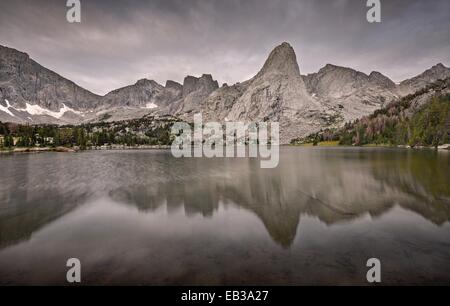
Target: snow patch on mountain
[(6, 108), (150, 106), (38, 110)]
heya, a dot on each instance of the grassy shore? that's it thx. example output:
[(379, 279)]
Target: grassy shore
[(320, 144)]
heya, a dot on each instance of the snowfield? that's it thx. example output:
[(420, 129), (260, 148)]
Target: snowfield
[(6, 109), (38, 110)]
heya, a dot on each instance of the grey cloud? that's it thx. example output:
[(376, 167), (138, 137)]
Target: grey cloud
[(119, 42)]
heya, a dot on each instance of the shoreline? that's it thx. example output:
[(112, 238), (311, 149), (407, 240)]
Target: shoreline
[(77, 149), (445, 147)]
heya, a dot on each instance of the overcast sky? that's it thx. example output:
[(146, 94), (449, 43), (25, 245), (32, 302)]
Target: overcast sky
[(119, 42)]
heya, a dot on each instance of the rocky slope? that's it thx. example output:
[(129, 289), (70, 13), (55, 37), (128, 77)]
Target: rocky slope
[(276, 91), (33, 93), (195, 91), (350, 93), (136, 100), (437, 72), (147, 96), (144, 94)]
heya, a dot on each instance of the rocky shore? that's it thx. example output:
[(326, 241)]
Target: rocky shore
[(77, 149)]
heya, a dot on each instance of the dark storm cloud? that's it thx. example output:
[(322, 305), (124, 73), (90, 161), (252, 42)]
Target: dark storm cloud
[(119, 42)]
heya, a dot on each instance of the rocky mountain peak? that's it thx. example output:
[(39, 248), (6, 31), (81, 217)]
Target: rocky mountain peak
[(205, 84), (380, 79), (10, 53), (143, 94), (329, 67), (147, 83), (376, 75), (437, 72), (335, 81), (282, 60), (173, 85), (439, 66), (277, 94)]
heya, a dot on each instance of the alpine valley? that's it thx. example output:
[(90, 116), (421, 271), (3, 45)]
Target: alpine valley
[(302, 104)]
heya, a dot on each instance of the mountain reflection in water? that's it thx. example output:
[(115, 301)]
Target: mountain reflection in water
[(331, 186), (345, 189)]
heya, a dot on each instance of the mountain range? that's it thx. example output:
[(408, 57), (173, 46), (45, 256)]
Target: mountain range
[(303, 104)]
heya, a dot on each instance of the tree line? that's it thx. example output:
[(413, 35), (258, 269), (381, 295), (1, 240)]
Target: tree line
[(144, 131)]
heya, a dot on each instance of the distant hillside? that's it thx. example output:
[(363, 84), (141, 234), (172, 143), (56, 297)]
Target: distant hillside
[(32, 93), (420, 119)]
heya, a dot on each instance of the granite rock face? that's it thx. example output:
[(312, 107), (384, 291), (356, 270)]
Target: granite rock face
[(144, 94), (147, 96), (276, 91), (135, 101), (195, 91), (278, 94), (437, 72), (23, 81), (175, 89), (350, 93), (219, 104)]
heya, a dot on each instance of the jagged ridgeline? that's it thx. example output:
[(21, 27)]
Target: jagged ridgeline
[(419, 119), (302, 104)]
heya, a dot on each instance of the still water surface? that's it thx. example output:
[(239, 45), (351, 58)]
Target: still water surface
[(144, 217)]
